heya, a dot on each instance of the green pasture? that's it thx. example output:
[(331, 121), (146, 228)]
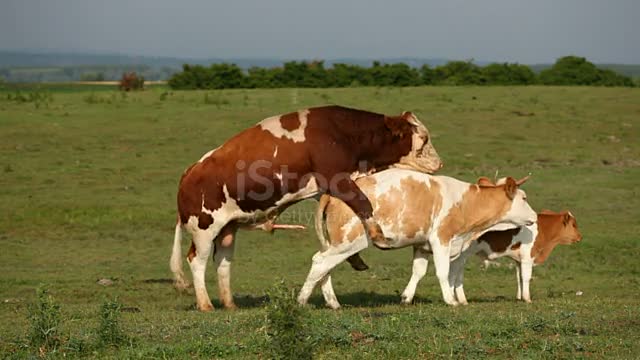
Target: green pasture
[(88, 180)]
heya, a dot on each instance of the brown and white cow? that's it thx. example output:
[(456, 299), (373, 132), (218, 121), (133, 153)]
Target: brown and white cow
[(436, 214), (527, 245), (256, 174)]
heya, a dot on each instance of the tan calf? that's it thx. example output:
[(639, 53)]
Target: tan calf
[(527, 245)]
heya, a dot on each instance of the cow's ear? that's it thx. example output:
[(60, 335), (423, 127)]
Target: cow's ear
[(485, 181), (566, 218), (398, 125), (510, 188)]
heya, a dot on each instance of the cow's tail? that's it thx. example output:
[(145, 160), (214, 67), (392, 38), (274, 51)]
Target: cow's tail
[(319, 220), (176, 259)]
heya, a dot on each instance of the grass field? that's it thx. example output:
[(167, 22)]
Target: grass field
[(87, 191)]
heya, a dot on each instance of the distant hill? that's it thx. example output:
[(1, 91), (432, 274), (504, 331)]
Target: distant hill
[(46, 59)]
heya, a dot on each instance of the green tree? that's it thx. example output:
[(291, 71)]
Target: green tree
[(459, 73), (427, 75), (574, 70), (398, 74), (570, 70), (508, 74)]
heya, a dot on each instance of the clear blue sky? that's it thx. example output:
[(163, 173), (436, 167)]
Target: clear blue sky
[(534, 31)]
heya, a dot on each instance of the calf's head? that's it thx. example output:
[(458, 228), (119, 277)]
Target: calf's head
[(422, 156), (566, 230)]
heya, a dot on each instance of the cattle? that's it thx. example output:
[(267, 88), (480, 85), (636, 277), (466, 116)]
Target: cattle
[(250, 179), (527, 245), (436, 214)]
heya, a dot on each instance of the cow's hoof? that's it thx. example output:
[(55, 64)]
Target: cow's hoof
[(360, 267), (230, 307), (205, 307), (357, 263), (406, 302), (181, 285), (334, 306)]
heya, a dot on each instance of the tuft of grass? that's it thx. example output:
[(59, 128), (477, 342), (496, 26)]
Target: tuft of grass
[(287, 333), (109, 331), (37, 98), (215, 99), (45, 319)]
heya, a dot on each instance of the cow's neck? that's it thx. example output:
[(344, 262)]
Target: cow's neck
[(546, 240), (382, 150), (478, 209), (483, 207)]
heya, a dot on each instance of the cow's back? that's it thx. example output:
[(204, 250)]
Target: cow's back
[(405, 203)]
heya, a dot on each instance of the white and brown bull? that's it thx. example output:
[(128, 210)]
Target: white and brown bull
[(436, 214), (255, 175)]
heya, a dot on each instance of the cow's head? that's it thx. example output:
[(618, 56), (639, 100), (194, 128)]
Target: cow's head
[(422, 156), (519, 212)]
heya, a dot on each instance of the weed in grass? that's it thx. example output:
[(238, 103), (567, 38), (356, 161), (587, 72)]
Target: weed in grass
[(164, 95), (215, 99), (45, 320), (37, 98), (92, 98), (286, 330), (109, 332)]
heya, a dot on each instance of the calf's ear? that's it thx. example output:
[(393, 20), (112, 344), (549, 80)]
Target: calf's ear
[(510, 188), (566, 218), (398, 125)]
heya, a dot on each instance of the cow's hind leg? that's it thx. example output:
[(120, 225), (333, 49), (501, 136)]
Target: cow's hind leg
[(223, 255), (346, 190), (198, 256), (420, 263), (323, 263), (328, 293), (456, 277)]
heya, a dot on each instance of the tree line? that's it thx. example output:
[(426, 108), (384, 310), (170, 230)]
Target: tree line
[(568, 70)]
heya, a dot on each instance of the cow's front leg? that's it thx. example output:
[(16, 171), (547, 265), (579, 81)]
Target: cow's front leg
[(342, 187), (357, 263), (526, 268), (442, 262), (223, 255), (420, 263), (519, 279)]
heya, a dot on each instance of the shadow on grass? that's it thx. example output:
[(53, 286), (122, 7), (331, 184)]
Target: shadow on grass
[(353, 300), (359, 299)]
